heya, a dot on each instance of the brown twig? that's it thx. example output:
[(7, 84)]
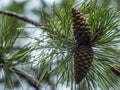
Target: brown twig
[(115, 68), (21, 17)]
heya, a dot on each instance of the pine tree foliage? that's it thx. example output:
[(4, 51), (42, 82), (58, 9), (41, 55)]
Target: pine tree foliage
[(11, 59), (55, 51)]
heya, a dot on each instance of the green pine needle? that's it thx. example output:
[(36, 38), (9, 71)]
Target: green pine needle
[(8, 33), (10, 58)]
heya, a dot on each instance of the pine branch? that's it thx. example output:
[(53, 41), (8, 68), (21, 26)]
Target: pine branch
[(21, 17), (27, 77), (115, 68)]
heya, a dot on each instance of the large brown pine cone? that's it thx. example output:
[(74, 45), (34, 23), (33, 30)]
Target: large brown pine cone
[(81, 28), (83, 57)]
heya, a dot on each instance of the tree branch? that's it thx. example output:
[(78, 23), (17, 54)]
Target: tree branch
[(29, 78), (21, 17), (115, 68)]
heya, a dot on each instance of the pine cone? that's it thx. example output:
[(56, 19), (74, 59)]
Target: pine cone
[(81, 28), (83, 54), (83, 57)]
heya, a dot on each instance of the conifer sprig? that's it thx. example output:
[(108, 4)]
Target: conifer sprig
[(56, 55), (9, 58)]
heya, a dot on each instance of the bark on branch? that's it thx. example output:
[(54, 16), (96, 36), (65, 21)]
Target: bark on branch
[(21, 17)]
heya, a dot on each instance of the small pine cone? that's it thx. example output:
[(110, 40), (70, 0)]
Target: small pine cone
[(83, 58), (81, 28)]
